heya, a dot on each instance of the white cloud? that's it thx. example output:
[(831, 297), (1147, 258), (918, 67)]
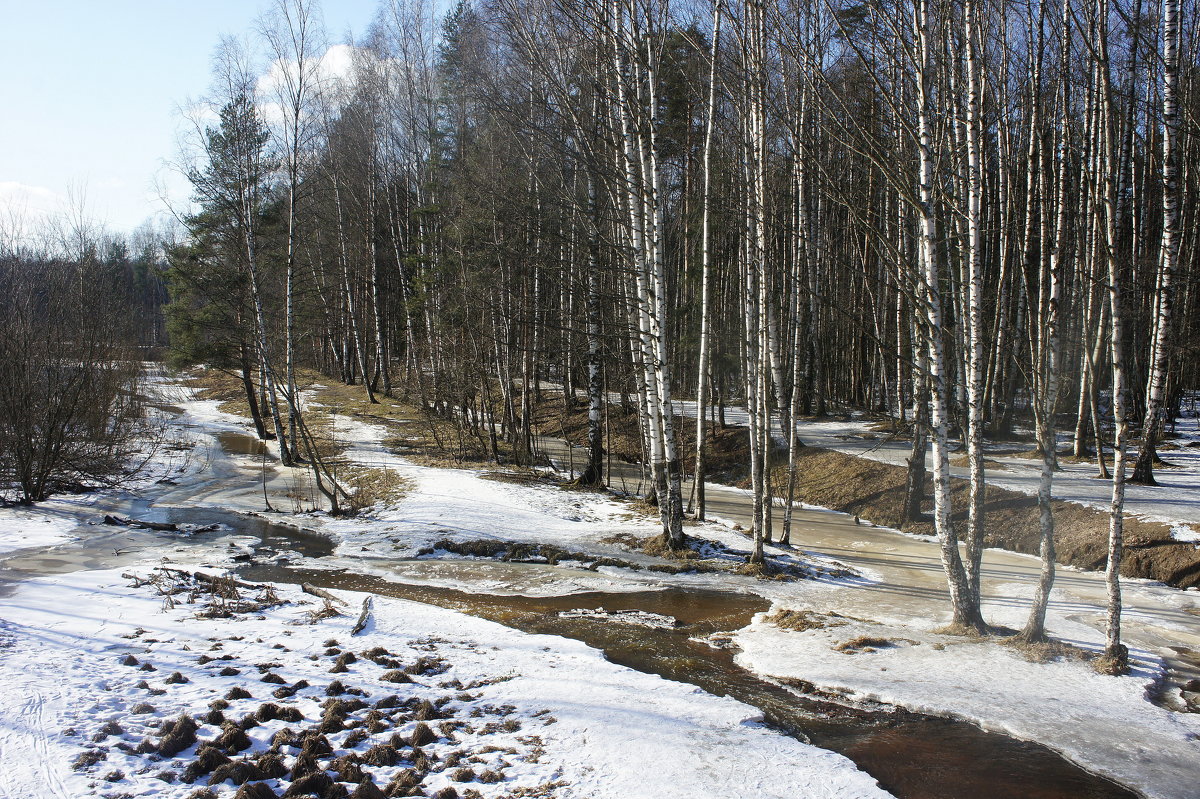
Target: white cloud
[(24, 198), (24, 210), (336, 64)]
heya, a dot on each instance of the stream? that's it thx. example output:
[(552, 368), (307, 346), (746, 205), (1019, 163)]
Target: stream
[(911, 755)]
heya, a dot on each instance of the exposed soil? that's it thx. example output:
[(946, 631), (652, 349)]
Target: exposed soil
[(875, 491)]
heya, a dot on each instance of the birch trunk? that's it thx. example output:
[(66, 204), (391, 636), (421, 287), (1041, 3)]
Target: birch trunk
[(1143, 471)]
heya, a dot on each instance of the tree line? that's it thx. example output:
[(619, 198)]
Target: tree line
[(80, 315), (978, 217)]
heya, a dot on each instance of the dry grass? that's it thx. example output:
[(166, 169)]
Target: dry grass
[(1113, 665), (961, 631), (371, 485), (863, 644), (964, 462), (1048, 650), (804, 620)]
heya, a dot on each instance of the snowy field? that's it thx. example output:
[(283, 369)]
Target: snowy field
[(506, 710)]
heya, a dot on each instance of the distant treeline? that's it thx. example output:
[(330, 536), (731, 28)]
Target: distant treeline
[(75, 329)]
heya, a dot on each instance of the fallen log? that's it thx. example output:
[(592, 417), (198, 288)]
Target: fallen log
[(364, 617), (309, 588), (208, 578), (120, 522)]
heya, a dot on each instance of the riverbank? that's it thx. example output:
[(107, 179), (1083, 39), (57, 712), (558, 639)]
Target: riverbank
[(889, 582)]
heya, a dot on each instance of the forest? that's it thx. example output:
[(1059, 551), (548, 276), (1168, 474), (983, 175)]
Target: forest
[(977, 219), (620, 398)]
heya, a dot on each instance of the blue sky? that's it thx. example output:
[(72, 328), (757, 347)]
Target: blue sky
[(90, 92)]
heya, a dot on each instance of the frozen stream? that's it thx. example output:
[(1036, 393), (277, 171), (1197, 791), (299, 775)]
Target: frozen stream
[(911, 755)]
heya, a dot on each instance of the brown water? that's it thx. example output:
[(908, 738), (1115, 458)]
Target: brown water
[(911, 755), (242, 444)]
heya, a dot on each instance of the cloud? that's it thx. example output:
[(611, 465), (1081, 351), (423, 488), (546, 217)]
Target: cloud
[(335, 64), (29, 199), (24, 210)]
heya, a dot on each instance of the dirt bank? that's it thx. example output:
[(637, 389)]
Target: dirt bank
[(875, 492)]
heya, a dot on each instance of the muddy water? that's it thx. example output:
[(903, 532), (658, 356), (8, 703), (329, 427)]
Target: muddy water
[(913, 756), (241, 444)]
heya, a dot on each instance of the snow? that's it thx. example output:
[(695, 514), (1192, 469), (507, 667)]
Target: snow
[(1186, 533), (1105, 724), (21, 528), (606, 731), (60, 636)]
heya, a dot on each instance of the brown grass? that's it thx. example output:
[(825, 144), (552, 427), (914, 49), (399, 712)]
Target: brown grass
[(370, 485), (1048, 650), (863, 644), (875, 491), (964, 462), (803, 620)]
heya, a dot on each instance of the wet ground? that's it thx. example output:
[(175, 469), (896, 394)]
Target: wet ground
[(911, 755)]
